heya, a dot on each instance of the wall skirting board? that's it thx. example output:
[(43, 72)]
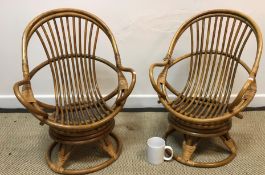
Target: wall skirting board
[(134, 101)]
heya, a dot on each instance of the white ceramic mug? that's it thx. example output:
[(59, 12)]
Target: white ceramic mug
[(156, 150)]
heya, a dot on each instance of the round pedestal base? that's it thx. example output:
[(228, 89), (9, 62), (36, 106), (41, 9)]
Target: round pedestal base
[(65, 150), (190, 144)]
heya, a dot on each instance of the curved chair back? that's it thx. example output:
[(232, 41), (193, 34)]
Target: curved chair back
[(217, 40), (69, 38)]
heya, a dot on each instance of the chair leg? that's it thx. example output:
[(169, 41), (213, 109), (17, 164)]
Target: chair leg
[(189, 146), (108, 147), (64, 154), (229, 142)]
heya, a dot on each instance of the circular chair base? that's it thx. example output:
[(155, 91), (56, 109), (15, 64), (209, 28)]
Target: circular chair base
[(58, 166), (190, 144)]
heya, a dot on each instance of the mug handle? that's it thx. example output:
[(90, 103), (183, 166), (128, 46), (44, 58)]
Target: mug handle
[(171, 150)]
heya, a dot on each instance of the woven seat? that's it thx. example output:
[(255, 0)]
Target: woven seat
[(203, 108), (199, 108), (89, 114), (83, 113)]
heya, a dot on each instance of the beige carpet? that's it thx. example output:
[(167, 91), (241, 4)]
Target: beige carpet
[(23, 143)]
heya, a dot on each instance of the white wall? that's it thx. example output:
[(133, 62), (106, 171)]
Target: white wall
[(143, 31)]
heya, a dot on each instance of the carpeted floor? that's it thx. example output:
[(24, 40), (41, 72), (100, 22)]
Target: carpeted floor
[(23, 143)]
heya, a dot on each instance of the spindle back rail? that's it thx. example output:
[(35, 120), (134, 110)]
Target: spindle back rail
[(217, 40), (69, 38)]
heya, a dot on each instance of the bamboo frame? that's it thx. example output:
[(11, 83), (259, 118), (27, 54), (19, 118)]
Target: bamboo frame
[(202, 108), (81, 114)]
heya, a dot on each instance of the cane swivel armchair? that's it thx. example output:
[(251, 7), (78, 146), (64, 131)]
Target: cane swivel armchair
[(203, 108), (81, 114)]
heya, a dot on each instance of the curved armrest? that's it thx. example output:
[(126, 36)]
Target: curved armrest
[(28, 102), (124, 85), (245, 95), (151, 76)]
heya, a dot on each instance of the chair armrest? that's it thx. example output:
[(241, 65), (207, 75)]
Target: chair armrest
[(151, 76), (28, 100), (245, 95), (124, 85)]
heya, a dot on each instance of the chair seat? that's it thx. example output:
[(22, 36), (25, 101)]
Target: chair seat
[(199, 107), (84, 114)]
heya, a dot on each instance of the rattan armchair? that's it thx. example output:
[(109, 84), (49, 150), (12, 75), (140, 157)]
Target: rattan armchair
[(81, 114), (203, 108)]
